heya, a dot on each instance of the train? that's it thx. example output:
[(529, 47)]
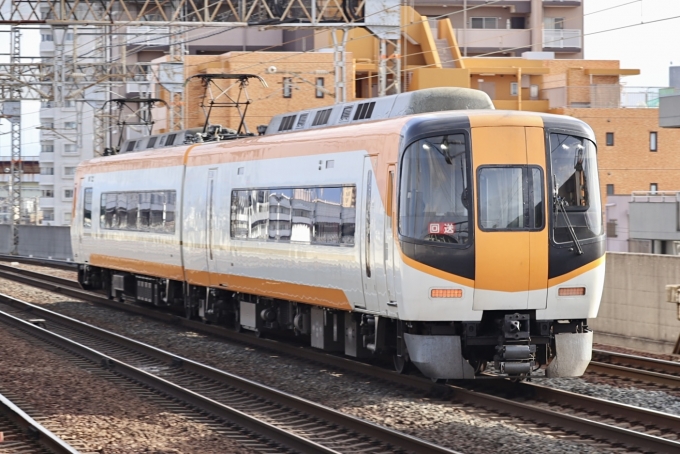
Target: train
[(426, 228)]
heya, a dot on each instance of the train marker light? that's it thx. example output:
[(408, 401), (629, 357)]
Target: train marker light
[(446, 293), (571, 291)]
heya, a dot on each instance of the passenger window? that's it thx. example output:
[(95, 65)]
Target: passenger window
[(320, 215), (87, 208)]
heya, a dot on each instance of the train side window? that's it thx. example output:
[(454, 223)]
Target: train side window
[(132, 210), (87, 208), (319, 215), (169, 213), (144, 211), (121, 211), (156, 215)]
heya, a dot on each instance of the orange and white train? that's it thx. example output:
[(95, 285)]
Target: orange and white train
[(426, 226)]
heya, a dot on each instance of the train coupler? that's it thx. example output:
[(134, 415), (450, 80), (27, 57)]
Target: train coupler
[(515, 359)]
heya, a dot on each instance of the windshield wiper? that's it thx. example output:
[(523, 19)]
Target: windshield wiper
[(561, 205)]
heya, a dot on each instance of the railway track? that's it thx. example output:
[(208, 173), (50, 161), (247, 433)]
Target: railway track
[(636, 368), (22, 434), (52, 263), (596, 419), (289, 421)]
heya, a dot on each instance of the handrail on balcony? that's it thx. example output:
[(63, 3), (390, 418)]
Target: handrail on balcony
[(655, 196)]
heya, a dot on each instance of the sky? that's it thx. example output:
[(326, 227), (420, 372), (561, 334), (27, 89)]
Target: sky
[(632, 31), (640, 43)]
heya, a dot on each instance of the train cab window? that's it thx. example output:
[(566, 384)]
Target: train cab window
[(87, 208), (510, 198), (434, 195), (576, 190)]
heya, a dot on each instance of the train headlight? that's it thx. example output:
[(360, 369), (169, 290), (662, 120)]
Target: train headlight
[(446, 293), (571, 291)]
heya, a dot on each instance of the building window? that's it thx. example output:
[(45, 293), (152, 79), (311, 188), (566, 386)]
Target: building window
[(513, 88), (553, 23), (653, 187), (69, 103), (484, 22), (610, 139), (46, 170), (611, 228), (652, 141), (46, 37), (48, 193), (69, 36), (70, 125), (319, 87), (69, 171), (48, 215), (70, 148), (610, 189), (68, 193), (67, 218), (47, 148), (47, 125), (287, 87)]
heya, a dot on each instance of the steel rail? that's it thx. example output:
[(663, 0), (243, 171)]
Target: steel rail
[(663, 367), (226, 412), (461, 393), (37, 431), (634, 374), (334, 417), (51, 263)]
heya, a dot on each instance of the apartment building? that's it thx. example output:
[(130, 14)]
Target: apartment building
[(30, 191), (507, 28)]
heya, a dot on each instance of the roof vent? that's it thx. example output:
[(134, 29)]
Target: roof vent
[(287, 123), (364, 111)]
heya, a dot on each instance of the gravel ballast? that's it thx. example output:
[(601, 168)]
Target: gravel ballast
[(460, 428)]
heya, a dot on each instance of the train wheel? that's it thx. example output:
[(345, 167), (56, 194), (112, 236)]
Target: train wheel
[(401, 364)]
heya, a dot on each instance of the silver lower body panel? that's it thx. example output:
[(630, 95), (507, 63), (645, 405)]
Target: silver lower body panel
[(438, 357), (573, 354)]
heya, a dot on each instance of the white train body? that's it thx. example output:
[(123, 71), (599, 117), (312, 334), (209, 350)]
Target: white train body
[(302, 231)]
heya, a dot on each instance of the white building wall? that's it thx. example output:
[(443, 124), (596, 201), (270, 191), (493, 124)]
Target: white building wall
[(66, 134)]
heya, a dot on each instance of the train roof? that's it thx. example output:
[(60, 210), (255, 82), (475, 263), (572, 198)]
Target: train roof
[(392, 106)]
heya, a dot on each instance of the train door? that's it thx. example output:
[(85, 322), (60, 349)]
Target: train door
[(511, 234), (389, 236), (211, 220), (82, 215), (367, 233)]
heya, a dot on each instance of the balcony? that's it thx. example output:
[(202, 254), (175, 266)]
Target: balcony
[(46, 156), (493, 39), (47, 179), (669, 108), (568, 40), (46, 202), (602, 96)]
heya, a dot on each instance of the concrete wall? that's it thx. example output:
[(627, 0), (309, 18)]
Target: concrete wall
[(39, 241), (634, 312)]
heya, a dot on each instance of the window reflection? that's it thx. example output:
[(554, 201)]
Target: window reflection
[(323, 215), (148, 211), (575, 181), (434, 196), (87, 208)]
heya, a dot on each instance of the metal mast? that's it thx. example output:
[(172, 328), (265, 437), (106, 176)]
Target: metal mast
[(14, 112)]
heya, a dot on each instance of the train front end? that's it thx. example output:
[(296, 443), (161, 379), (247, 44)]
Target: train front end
[(502, 242)]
